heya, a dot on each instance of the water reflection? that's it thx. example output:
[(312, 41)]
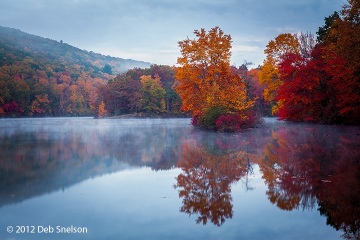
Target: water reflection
[(205, 182), (43, 155), (303, 166), (316, 164)]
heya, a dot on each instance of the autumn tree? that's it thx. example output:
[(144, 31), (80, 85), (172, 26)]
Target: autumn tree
[(40, 105), (324, 30), (152, 95), (136, 91), (122, 94), (342, 42), (205, 81), (167, 79), (341, 34), (1, 103), (256, 89), (322, 83), (283, 44), (101, 110)]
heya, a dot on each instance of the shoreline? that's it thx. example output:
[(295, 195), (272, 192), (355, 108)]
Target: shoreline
[(148, 115)]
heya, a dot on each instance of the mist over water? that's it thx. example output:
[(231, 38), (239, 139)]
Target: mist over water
[(165, 179)]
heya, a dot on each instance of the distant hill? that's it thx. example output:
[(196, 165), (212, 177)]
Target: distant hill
[(43, 77), (22, 44)]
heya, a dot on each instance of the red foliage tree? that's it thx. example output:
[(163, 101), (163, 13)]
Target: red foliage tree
[(320, 89)]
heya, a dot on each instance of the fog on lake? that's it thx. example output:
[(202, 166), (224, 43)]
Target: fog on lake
[(165, 179)]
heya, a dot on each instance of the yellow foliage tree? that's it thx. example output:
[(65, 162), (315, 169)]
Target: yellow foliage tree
[(101, 110), (204, 76), (269, 76), (152, 94)]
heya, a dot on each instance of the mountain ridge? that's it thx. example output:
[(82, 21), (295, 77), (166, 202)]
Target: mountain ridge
[(23, 43), (43, 77)]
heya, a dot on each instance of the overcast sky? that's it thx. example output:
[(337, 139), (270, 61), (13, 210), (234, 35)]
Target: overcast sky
[(149, 30)]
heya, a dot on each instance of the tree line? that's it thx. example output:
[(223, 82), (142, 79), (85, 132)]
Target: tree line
[(316, 80), (36, 87), (303, 78)]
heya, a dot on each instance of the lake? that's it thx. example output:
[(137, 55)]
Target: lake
[(112, 179)]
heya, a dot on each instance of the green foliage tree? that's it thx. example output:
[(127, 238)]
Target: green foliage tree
[(167, 79), (107, 69), (152, 95), (323, 31), (123, 95)]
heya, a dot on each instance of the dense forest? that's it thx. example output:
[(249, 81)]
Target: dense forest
[(303, 78), (43, 77), (316, 80), (153, 91)]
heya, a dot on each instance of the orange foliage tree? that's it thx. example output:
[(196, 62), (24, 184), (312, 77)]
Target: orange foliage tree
[(283, 44), (101, 110), (40, 105), (205, 80)]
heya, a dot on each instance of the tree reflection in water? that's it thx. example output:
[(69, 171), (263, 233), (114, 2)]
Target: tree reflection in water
[(304, 167), (205, 182), (320, 166)]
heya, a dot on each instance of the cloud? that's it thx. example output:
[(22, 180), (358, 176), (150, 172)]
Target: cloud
[(244, 48), (150, 29)]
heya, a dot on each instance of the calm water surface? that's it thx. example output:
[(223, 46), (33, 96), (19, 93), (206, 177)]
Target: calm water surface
[(162, 179)]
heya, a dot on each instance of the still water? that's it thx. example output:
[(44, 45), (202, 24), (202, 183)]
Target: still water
[(110, 179)]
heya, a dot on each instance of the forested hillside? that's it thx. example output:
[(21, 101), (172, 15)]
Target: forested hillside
[(43, 77), (24, 44)]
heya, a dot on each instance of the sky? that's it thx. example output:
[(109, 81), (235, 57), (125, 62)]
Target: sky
[(149, 30)]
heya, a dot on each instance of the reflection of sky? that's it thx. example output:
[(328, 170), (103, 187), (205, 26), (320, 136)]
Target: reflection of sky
[(142, 204), (256, 218), (119, 197)]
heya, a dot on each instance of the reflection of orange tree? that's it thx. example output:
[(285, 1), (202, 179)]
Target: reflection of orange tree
[(205, 182), (302, 168)]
